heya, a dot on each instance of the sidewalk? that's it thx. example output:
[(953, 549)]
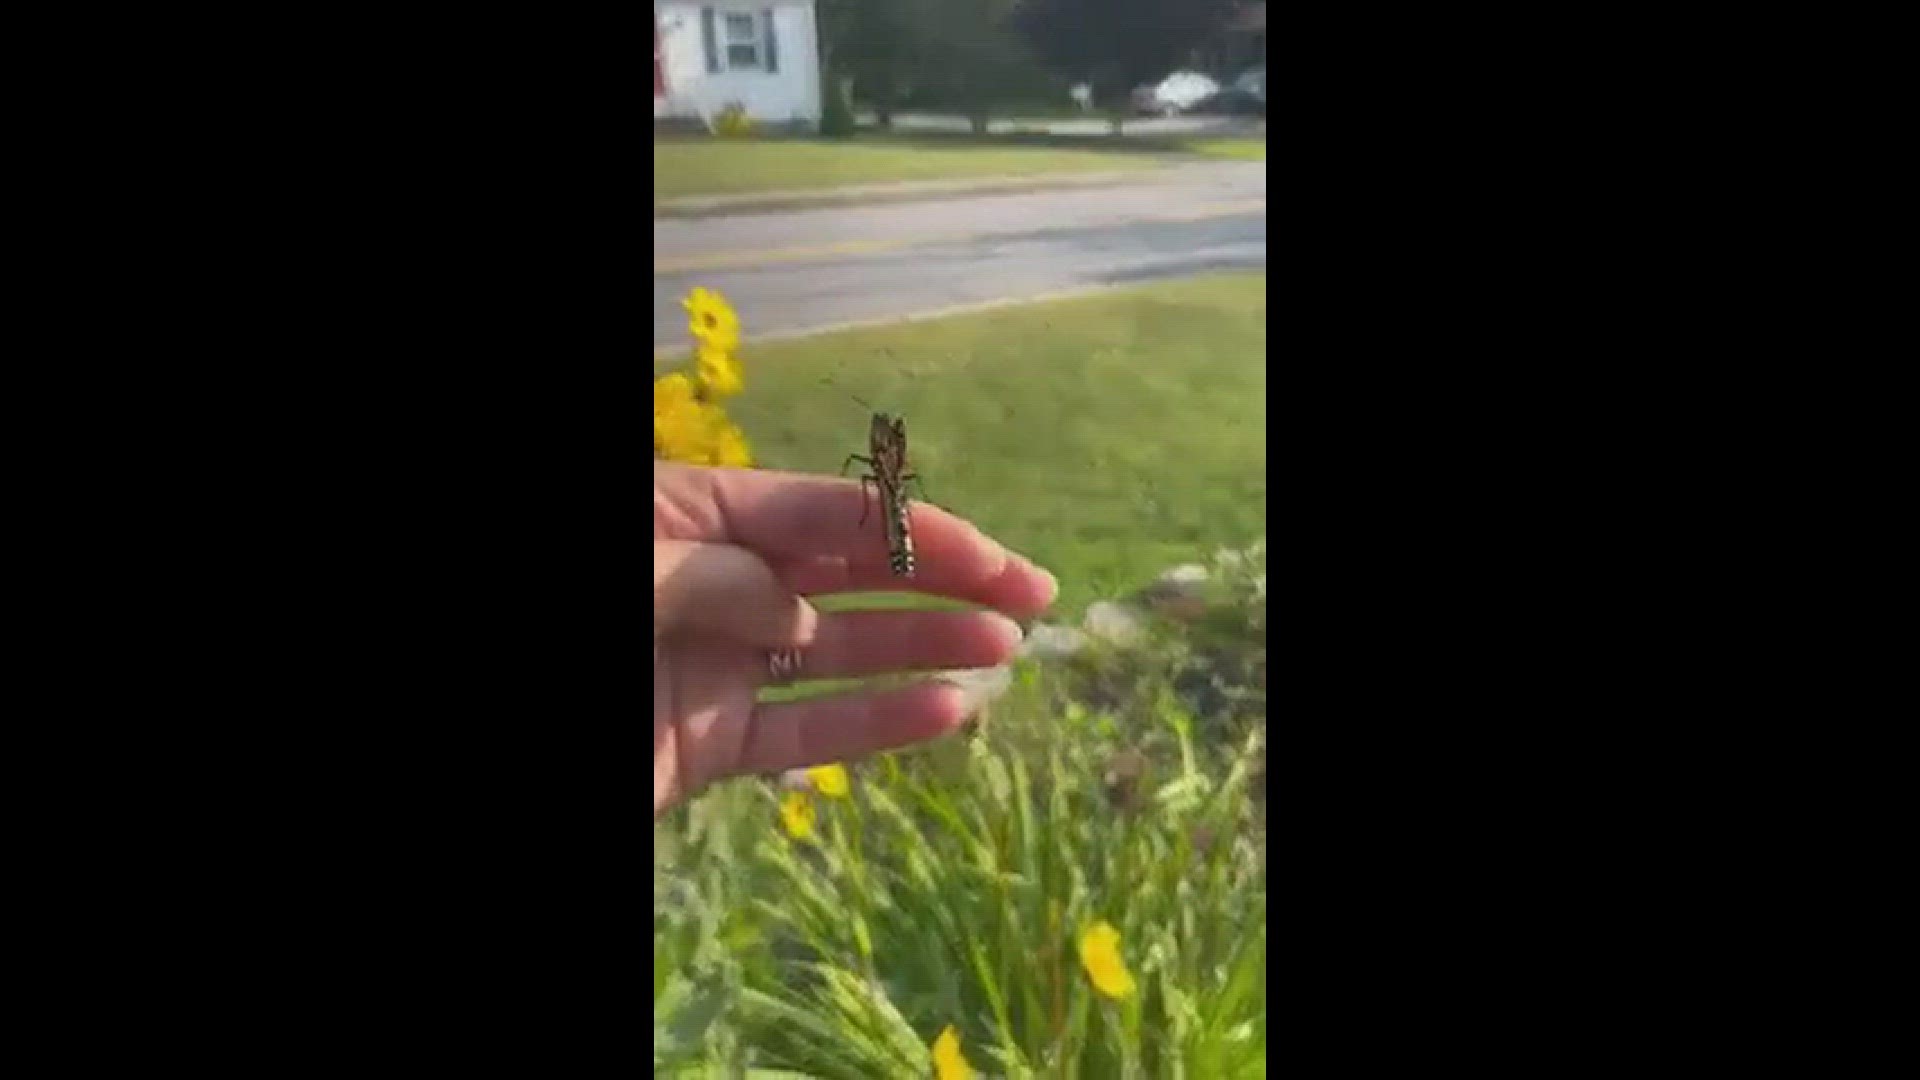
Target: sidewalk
[(896, 191)]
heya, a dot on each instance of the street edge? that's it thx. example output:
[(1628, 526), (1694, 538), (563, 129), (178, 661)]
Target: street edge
[(828, 198), (680, 352)]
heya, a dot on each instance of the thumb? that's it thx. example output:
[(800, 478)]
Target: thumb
[(726, 591)]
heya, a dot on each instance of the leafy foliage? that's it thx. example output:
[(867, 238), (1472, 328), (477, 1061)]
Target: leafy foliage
[(961, 56), (1116, 45), (954, 884)]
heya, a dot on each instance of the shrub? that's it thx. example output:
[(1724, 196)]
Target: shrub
[(733, 122)]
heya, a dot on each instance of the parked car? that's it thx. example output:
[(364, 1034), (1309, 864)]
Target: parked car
[(1174, 94)]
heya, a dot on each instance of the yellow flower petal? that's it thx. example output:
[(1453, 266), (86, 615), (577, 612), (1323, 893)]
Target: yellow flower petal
[(796, 813), (948, 1064), (1100, 955), (677, 437), (718, 372), (729, 447), (711, 320), (684, 429), (672, 392), (829, 780)]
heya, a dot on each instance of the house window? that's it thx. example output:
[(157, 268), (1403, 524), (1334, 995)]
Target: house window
[(743, 43)]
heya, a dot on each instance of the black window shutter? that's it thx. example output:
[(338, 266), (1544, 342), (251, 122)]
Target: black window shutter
[(710, 39), (773, 52)]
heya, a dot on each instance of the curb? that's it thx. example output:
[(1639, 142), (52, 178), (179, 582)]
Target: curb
[(876, 194), (669, 354)]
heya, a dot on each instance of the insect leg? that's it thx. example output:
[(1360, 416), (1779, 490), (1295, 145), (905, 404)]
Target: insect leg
[(915, 478), (851, 458)]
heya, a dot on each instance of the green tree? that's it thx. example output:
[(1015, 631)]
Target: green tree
[(870, 42), (1116, 45), (976, 56), (965, 56)]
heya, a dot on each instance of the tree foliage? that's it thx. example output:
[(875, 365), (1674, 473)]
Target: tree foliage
[(1116, 45), (978, 56), (965, 56)]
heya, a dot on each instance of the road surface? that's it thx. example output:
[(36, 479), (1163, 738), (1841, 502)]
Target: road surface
[(795, 271)]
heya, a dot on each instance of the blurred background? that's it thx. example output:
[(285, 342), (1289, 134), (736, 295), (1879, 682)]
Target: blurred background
[(1036, 230)]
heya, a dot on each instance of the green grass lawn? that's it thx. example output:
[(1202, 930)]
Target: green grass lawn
[(1247, 149), (699, 165), (1106, 437)]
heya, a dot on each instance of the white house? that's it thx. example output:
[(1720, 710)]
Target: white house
[(763, 54)]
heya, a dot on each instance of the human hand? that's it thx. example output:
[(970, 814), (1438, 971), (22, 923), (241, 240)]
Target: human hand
[(735, 553)]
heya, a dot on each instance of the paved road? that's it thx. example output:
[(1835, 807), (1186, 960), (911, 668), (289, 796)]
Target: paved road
[(795, 271)]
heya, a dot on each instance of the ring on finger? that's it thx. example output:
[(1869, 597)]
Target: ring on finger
[(785, 663)]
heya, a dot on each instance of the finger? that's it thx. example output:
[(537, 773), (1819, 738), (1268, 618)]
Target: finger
[(791, 517), (1021, 590), (728, 593), (853, 643), (842, 727)]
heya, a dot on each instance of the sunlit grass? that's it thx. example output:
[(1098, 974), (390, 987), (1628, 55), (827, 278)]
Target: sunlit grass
[(1237, 149), (1107, 437), (709, 166)]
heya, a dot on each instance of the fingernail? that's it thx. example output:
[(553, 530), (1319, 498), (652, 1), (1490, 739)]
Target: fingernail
[(807, 623), (1012, 630)]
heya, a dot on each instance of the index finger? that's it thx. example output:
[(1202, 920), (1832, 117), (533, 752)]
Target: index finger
[(794, 517)]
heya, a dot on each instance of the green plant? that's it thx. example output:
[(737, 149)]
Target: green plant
[(733, 122), (957, 885)]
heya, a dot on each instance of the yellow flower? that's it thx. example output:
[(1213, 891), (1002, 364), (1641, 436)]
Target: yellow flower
[(672, 393), (712, 320), (676, 417), (829, 780), (695, 432), (796, 813), (948, 1064), (677, 436), (682, 434), (1100, 954), (718, 372), (688, 424), (728, 446)]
